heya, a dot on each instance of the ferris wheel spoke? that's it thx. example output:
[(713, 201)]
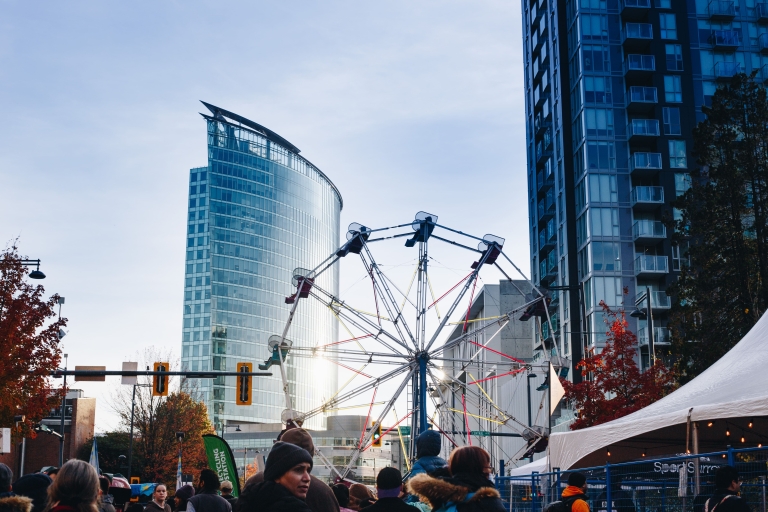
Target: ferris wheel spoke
[(369, 434), (331, 301), (359, 390), (388, 298)]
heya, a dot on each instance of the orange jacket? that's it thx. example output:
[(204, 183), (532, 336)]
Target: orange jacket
[(578, 505)]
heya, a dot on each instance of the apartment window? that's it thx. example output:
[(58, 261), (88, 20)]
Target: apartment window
[(664, 4), (674, 57), (606, 257), (673, 89), (680, 256), (602, 188), (668, 26), (671, 120), (597, 89), (594, 27), (596, 58), (581, 229), (677, 159), (607, 289), (599, 121), (601, 155), (682, 183), (593, 4), (605, 222)]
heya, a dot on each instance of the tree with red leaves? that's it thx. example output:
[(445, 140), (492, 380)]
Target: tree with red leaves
[(29, 344), (614, 386)]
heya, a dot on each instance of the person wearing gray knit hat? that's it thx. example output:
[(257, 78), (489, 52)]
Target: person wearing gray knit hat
[(286, 482)]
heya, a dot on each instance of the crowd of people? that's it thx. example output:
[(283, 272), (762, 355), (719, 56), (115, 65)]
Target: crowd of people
[(461, 484)]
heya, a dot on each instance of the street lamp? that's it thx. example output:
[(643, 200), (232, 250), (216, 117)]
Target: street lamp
[(180, 477), (642, 315), (35, 274), (224, 428)]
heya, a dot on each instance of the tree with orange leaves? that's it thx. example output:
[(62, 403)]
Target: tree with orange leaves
[(614, 386), (29, 344)]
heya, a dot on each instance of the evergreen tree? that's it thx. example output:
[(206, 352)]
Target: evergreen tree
[(720, 296)]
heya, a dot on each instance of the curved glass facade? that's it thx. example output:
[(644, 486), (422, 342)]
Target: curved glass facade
[(257, 212)]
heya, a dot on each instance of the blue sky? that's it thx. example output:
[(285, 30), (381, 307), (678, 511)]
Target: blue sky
[(405, 105)]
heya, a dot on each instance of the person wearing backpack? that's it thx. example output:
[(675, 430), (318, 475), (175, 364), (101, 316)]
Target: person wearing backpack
[(726, 497), (574, 497), (468, 489)]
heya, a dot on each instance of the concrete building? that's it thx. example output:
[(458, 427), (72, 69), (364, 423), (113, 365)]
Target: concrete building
[(251, 446)]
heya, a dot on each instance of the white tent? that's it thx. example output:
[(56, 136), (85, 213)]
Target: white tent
[(736, 386), (539, 466)]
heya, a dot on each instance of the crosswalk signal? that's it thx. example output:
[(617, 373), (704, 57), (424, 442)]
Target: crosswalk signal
[(377, 436), (244, 384), (160, 382)]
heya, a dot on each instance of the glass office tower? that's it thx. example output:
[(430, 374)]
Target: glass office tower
[(257, 211), (613, 91)]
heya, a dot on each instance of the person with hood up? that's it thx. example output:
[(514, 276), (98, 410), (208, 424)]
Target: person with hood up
[(468, 487), (726, 497), (206, 498), (320, 497), (428, 459), (34, 486), (285, 482), (9, 501), (182, 496)]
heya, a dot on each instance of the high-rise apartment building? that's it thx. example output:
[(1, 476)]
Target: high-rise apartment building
[(613, 91), (257, 211)]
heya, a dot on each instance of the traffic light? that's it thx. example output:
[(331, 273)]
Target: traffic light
[(244, 384), (377, 436), (160, 382)]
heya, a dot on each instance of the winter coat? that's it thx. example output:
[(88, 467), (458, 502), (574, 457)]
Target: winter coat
[(270, 497), (439, 491), (719, 503), (152, 507), (580, 505), (207, 501), (427, 464), (10, 502), (428, 446), (320, 497), (389, 505)]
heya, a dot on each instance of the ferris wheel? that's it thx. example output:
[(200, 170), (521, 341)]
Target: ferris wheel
[(400, 337)]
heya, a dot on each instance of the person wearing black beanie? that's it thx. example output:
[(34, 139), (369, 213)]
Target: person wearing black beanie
[(285, 485)]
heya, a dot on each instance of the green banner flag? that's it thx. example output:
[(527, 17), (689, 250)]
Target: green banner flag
[(221, 460)]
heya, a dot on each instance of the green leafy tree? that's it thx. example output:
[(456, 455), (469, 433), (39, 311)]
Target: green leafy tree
[(29, 344), (720, 296)]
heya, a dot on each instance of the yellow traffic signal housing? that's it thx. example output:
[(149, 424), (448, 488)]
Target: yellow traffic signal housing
[(377, 436), (244, 392), (160, 382)]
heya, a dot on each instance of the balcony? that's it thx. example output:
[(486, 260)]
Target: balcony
[(635, 9), (761, 11), (544, 183), (643, 128), (725, 39), (638, 65), (726, 70), (644, 231), (546, 243), (644, 163), (546, 207), (660, 336), (644, 198), (722, 9), (659, 300), (762, 43), (641, 99), (540, 124), (646, 265), (637, 35), (543, 150)]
